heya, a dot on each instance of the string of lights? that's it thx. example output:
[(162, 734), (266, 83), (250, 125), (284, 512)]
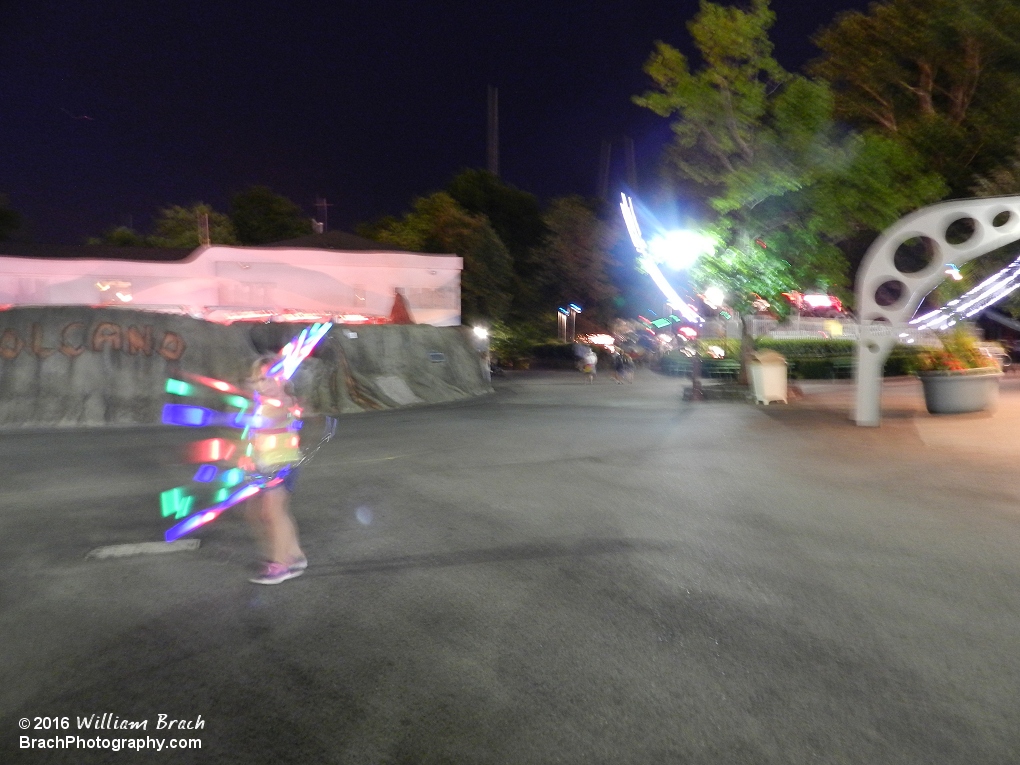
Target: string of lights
[(987, 293)]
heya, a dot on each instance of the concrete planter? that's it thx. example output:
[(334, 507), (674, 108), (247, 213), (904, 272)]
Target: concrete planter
[(968, 390)]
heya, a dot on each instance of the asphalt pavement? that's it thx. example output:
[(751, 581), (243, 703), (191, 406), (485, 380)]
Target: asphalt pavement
[(554, 573)]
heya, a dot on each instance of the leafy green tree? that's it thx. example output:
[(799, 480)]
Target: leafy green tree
[(120, 236), (1003, 180), (179, 227), (10, 220), (438, 224), (942, 76), (575, 259), (375, 229), (516, 217), (261, 216), (761, 144)]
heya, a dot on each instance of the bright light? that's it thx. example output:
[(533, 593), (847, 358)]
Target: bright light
[(716, 352), (714, 297), (680, 249), (813, 301), (953, 271), (481, 332), (607, 341), (647, 262), (820, 301)]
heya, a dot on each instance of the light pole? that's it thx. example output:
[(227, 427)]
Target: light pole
[(574, 310), (481, 341)]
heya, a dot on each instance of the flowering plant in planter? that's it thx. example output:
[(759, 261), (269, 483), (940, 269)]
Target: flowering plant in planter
[(959, 378), (959, 353)]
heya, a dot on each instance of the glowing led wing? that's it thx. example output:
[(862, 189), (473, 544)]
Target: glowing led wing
[(221, 476)]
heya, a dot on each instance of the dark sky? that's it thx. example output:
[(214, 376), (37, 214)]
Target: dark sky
[(112, 109)]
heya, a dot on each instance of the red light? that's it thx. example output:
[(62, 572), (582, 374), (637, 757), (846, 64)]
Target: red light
[(219, 385), (210, 450)]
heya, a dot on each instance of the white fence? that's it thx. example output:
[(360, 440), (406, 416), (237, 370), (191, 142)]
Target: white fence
[(804, 327)]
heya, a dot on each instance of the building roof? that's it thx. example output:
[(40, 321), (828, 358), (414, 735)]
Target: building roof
[(90, 251), (340, 241), (335, 240)]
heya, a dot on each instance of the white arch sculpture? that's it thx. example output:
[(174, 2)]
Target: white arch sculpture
[(888, 296)]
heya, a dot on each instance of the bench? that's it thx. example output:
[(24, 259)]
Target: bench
[(671, 365), (720, 368), (842, 367)]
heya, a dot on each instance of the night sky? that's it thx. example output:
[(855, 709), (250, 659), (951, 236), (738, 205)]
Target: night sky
[(110, 110)]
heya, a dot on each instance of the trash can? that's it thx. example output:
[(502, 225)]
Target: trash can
[(768, 376)]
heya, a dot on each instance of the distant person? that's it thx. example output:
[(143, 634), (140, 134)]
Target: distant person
[(618, 366), (628, 367), (589, 365), (274, 447)]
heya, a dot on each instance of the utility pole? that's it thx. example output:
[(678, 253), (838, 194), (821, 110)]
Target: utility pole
[(323, 207), (203, 229), (492, 143)]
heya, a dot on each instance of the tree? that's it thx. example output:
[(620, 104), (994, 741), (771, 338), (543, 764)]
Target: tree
[(1003, 180), (942, 76), (438, 224), (179, 227), (786, 185), (10, 221), (261, 216), (516, 217), (575, 259), (120, 236)]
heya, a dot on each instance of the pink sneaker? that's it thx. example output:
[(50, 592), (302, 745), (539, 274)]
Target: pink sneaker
[(274, 573)]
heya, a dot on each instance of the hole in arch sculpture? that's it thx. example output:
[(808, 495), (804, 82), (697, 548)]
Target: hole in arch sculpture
[(953, 232)]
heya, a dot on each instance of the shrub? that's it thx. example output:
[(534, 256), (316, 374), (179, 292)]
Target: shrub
[(731, 345), (512, 346), (808, 347), (821, 358), (554, 355)]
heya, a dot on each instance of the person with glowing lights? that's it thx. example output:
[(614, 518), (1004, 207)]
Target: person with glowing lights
[(266, 456), (589, 365), (274, 447)]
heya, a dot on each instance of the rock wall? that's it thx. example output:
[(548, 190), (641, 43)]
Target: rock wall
[(79, 366)]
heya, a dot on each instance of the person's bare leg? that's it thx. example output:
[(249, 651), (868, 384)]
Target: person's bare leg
[(254, 514), (281, 530)]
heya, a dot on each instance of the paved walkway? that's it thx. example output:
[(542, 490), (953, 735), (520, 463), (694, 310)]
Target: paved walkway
[(554, 573), (993, 435)]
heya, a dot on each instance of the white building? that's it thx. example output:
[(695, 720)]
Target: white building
[(338, 275)]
